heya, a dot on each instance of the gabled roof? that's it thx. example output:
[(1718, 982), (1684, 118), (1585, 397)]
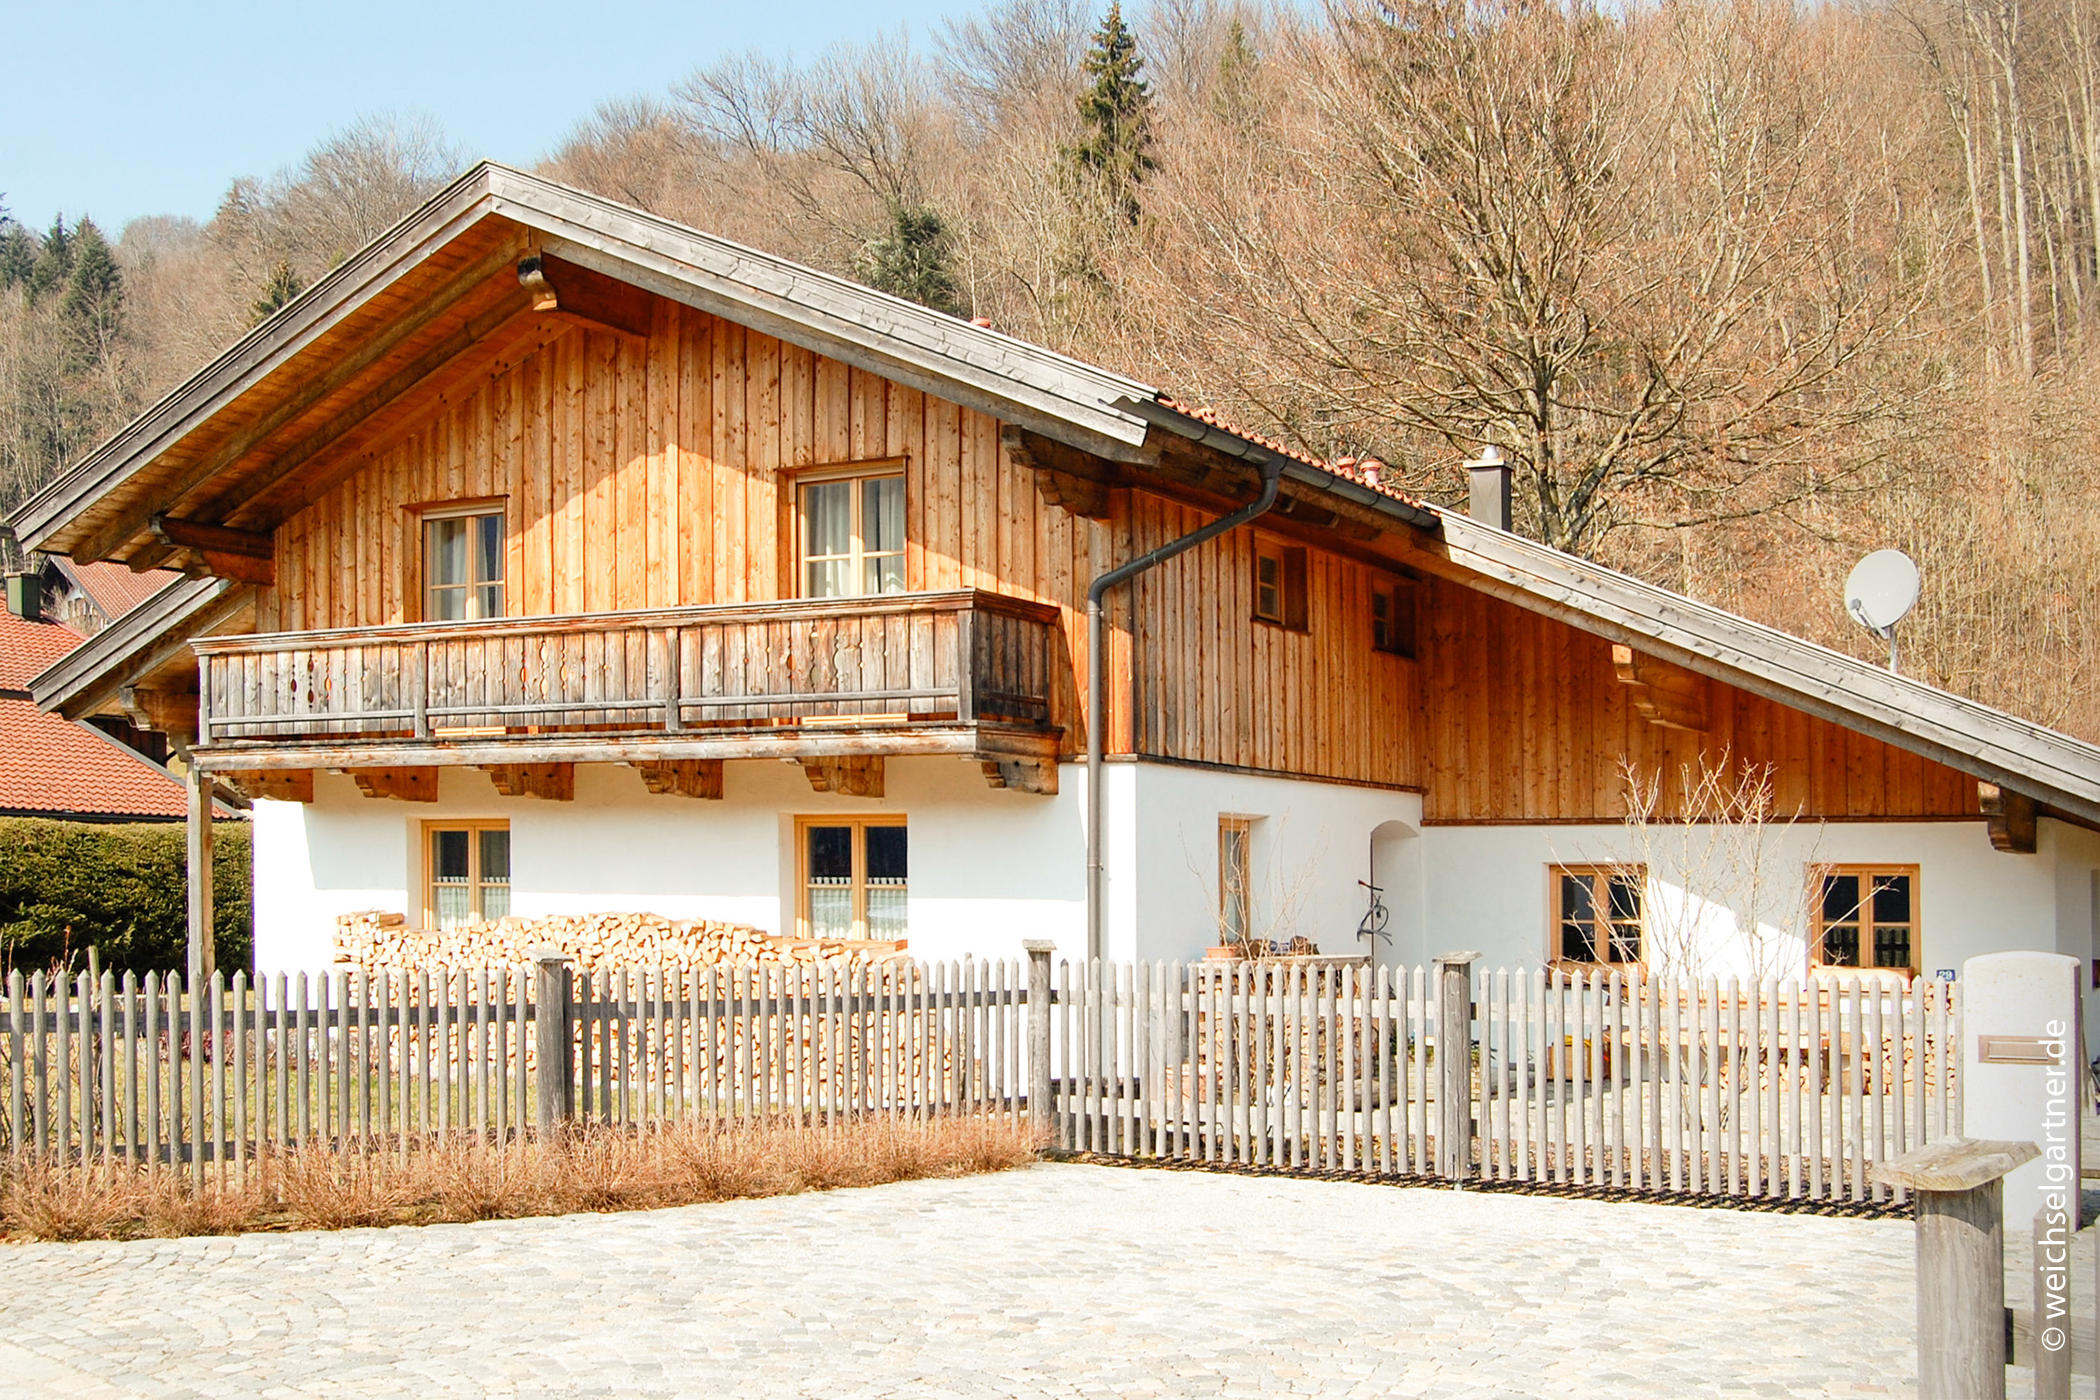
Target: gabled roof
[(51, 766), (113, 588), (453, 261), (455, 258)]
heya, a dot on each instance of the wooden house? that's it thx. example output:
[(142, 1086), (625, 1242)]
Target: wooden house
[(548, 556)]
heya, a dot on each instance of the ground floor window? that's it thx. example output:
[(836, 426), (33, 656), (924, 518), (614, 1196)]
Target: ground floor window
[(853, 876), (1867, 916), (469, 864), (1235, 898), (1597, 913)]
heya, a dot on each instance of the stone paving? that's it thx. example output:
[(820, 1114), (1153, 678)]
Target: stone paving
[(1053, 1281)]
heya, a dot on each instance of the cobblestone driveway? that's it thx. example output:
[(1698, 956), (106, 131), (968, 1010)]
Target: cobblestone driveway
[(1055, 1281)]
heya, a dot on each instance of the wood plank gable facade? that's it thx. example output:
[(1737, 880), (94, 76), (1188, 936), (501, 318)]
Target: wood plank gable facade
[(658, 472)]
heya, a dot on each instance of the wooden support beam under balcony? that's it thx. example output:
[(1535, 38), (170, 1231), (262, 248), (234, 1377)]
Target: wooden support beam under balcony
[(1034, 775), (281, 785), (406, 784), (856, 775), (554, 782), (966, 673), (684, 777)]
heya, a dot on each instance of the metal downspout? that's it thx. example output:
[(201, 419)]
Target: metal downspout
[(1096, 722)]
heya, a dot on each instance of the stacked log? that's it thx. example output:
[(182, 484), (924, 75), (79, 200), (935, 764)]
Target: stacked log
[(375, 939)]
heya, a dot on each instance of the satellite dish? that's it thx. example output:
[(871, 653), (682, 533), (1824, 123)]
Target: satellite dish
[(1880, 592)]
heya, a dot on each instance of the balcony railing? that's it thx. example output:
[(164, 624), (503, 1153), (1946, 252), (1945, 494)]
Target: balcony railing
[(964, 658)]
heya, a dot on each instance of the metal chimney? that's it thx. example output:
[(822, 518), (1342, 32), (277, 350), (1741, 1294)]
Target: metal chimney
[(25, 596), (1490, 481)]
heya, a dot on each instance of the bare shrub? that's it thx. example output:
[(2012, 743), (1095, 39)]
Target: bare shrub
[(589, 1170)]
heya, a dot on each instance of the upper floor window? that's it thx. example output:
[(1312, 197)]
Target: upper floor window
[(1279, 584), (1393, 618), (1867, 916), (852, 534), (462, 563), (1597, 913)]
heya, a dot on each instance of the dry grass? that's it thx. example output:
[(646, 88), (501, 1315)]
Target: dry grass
[(590, 1170)]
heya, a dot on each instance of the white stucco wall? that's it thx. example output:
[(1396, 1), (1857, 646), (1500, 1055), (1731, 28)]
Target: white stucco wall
[(1311, 845), (988, 868), (991, 868), (1489, 889)]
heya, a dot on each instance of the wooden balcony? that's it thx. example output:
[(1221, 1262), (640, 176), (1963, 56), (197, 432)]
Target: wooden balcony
[(958, 673)]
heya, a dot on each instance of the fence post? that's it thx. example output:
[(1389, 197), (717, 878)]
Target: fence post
[(553, 1042), (1959, 1184), (1454, 1065), (2050, 1331), (1041, 1112)]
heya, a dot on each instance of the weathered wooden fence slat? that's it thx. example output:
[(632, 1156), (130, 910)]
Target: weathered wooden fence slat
[(1784, 1090)]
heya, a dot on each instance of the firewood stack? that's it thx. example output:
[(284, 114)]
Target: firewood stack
[(376, 939)]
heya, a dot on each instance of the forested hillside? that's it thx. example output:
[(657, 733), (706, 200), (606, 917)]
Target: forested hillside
[(1744, 289)]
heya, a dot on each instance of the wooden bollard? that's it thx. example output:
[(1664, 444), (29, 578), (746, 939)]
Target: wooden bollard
[(1042, 1117), (1960, 1206), (1454, 1065)]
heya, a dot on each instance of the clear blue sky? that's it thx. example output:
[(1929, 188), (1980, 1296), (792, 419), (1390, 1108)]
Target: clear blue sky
[(122, 109)]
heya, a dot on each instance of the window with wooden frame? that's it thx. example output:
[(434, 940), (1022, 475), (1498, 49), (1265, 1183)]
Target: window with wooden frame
[(850, 530), (1866, 916), (852, 872), (1393, 617), (1235, 894), (1597, 913), (462, 562), (1279, 584), (468, 870)]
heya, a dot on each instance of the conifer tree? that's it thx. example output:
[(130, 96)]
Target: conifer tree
[(92, 306), (1113, 156), (277, 292), (18, 252), (1233, 94), (54, 261), (911, 260)]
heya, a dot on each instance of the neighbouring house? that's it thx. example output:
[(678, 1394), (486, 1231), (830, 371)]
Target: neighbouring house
[(548, 556), (88, 597), (52, 766)]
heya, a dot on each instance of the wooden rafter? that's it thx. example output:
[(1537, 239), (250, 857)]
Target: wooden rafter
[(554, 782), (586, 298), (246, 556), (684, 777), (406, 784), (1064, 477), (1664, 695), (857, 775), (164, 711), (2009, 817)]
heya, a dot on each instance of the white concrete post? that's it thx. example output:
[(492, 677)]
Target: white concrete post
[(2023, 1059)]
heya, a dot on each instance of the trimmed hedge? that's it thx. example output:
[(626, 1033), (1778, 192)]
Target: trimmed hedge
[(120, 887)]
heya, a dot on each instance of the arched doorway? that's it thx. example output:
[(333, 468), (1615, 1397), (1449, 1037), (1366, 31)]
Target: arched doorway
[(1396, 869)]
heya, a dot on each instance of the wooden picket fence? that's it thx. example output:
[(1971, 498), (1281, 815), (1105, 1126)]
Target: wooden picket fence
[(143, 1070), (1774, 1090), (1778, 1090)]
